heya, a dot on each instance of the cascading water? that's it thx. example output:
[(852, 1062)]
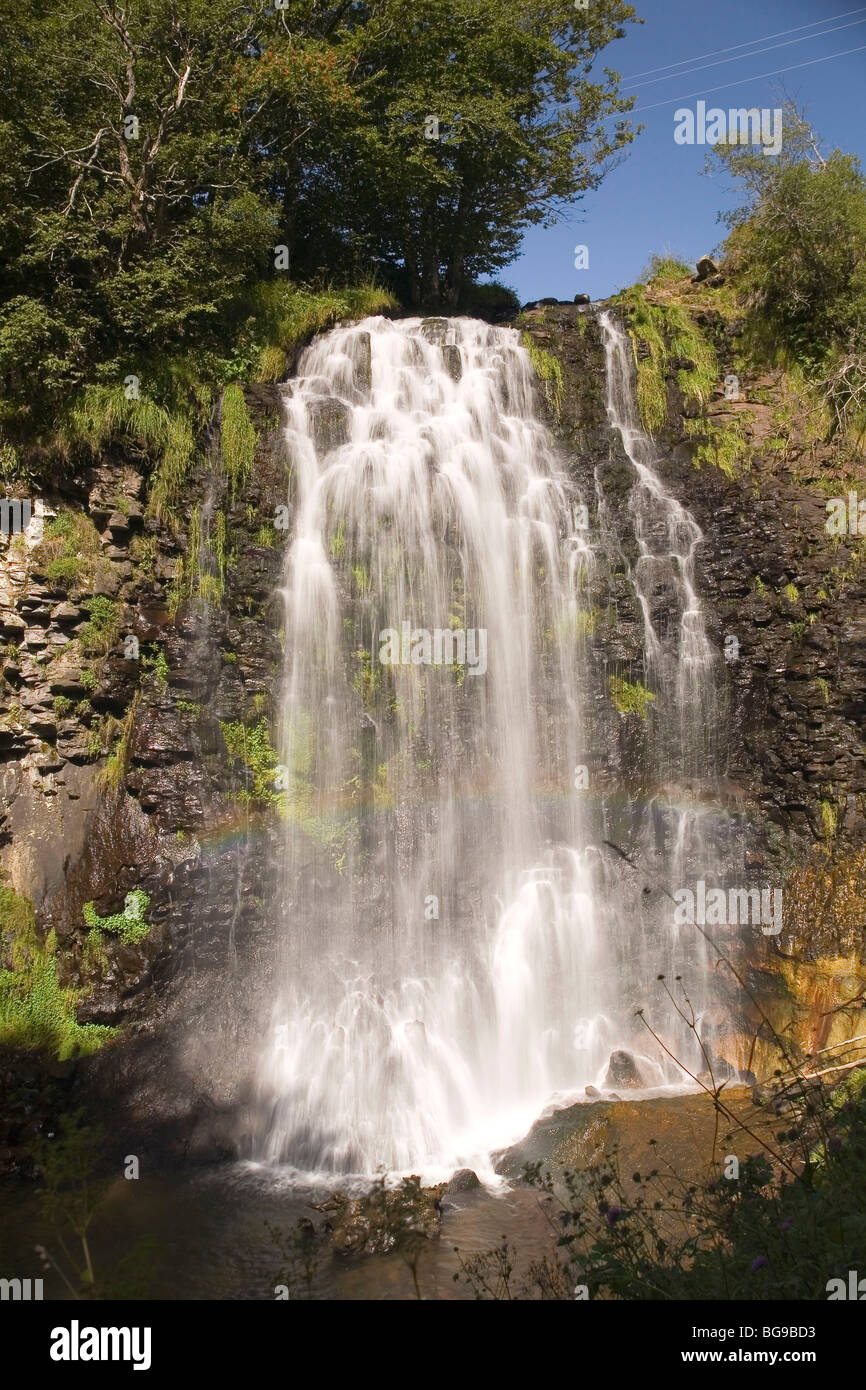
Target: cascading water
[(456, 948)]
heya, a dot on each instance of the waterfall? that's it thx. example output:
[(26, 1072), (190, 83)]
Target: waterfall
[(458, 949)]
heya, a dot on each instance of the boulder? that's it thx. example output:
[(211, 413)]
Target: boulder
[(582, 299), (329, 422), (705, 267), (434, 330), (66, 612), (464, 1180), (623, 1072)]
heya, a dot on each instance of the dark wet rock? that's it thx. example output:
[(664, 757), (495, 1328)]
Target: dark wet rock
[(162, 740), (67, 681), (623, 1072), (582, 299), (464, 1180), (435, 330), (720, 1071), (118, 525), (329, 422), (362, 349), (452, 360)]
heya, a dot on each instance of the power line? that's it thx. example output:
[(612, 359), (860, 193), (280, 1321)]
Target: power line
[(716, 51), (756, 53), (756, 77)]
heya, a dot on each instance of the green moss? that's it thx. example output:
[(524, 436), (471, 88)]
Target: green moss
[(791, 593), (824, 687), (238, 437), (250, 744), (548, 369), (37, 1013), (130, 925), (630, 698), (829, 819)]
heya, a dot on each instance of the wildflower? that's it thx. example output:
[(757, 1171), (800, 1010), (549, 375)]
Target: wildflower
[(758, 1263)]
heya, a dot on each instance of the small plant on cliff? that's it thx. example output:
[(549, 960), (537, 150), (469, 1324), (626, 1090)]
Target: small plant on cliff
[(724, 446), (100, 631), (251, 745), (70, 549), (37, 1013), (630, 698), (130, 925)]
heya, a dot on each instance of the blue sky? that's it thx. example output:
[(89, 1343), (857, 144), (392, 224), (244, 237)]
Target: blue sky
[(659, 199)]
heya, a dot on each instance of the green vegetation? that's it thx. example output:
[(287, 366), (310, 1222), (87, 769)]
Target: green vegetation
[(116, 763), (251, 745), (828, 818), (796, 255), (37, 1013), (153, 257), (70, 550), (661, 334), (158, 663), (99, 633), (724, 446), (366, 679), (238, 438), (130, 925), (548, 369), (629, 698)]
